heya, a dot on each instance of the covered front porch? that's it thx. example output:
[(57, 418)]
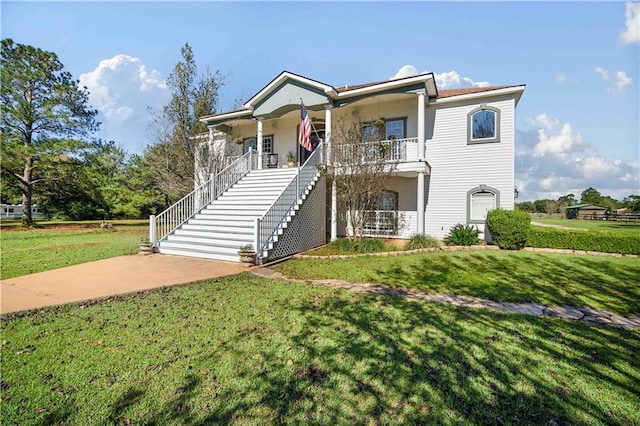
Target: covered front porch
[(270, 123)]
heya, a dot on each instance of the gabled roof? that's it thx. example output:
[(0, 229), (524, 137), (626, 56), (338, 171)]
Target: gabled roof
[(350, 92), (582, 206)]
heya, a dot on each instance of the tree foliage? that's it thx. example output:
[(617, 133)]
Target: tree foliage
[(363, 164), (45, 118), (171, 157)]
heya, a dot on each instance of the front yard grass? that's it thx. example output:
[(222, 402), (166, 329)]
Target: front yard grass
[(246, 350), (609, 283), (56, 245)]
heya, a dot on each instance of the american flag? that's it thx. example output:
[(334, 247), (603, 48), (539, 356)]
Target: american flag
[(305, 128)]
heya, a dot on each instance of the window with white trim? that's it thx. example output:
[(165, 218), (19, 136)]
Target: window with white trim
[(394, 128), (483, 125), (479, 201)]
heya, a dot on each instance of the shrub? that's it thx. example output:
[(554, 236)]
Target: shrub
[(419, 241), (462, 235), (364, 245), (509, 229), (606, 242)]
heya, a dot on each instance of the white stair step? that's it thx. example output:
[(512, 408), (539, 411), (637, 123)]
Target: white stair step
[(202, 255), (233, 240), (204, 248), (240, 202), (228, 216), (227, 233), (229, 223), (247, 228)]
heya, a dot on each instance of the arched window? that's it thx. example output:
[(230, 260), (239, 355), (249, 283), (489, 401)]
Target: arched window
[(484, 125), (479, 201)]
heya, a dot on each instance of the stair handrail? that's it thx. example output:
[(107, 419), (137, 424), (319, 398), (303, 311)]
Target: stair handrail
[(184, 209), (269, 223)]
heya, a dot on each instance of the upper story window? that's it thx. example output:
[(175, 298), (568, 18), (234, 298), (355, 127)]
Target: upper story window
[(394, 129), (484, 125)]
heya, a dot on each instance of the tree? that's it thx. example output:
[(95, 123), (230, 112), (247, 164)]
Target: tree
[(566, 201), (632, 202), (551, 206), (591, 196), (174, 129), (362, 166), (45, 116), (526, 206)]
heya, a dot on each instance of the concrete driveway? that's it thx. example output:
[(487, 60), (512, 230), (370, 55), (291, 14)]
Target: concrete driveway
[(108, 277)]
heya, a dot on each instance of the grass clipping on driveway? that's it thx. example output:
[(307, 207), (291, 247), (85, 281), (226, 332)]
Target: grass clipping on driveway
[(609, 283), (248, 350)]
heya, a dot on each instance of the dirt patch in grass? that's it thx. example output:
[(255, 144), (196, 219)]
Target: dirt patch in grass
[(72, 246)]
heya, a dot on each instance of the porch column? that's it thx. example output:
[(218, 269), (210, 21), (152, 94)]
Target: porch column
[(329, 162), (421, 158), (421, 129), (259, 142)]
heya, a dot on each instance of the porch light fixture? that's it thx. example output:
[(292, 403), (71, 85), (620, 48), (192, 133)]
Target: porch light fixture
[(515, 192)]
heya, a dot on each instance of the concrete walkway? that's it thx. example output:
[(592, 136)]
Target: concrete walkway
[(536, 309), (105, 278)]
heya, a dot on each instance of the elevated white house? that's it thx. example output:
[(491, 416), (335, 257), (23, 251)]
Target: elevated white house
[(453, 160)]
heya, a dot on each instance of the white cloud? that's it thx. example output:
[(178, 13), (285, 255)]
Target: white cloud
[(561, 142), (445, 80), (405, 71), (631, 33), (553, 160), (622, 80), (453, 79), (545, 120), (122, 89), (561, 79), (619, 79)]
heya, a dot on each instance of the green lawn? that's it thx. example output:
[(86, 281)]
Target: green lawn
[(632, 228), (610, 283), (51, 246), (246, 350)]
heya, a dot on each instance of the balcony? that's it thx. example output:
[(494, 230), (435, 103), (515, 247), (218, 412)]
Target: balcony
[(388, 151)]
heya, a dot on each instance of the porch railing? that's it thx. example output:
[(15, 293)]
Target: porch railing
[(271, 221), (390, 150), (381, 222), (166, 222)]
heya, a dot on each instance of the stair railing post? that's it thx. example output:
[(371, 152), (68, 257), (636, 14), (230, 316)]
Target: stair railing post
[(256, 240), (212, 188), (152, 229)]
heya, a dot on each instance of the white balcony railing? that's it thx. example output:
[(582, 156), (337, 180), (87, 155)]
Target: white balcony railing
[(390, 150)]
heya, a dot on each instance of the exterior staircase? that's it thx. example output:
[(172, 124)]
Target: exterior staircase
[(229, 222)]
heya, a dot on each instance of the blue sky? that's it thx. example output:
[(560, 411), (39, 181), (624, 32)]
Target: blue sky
[(577, 123)]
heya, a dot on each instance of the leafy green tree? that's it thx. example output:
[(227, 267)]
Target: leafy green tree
[(45, 117), (194, 95), (591, 196), (526, 206), (632, 202)]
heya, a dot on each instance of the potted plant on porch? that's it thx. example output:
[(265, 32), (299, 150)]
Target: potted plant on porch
[(291, 159), (247, 254)]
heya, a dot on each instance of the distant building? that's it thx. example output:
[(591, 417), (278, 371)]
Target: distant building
[(14, 211), (585, 211)]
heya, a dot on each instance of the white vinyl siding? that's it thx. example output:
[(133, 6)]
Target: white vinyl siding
[(457, 167)]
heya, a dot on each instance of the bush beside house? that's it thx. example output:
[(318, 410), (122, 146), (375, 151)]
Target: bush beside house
[(509, 229)]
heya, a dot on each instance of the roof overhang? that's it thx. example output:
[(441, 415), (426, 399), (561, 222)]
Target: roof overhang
[(512, 90)]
